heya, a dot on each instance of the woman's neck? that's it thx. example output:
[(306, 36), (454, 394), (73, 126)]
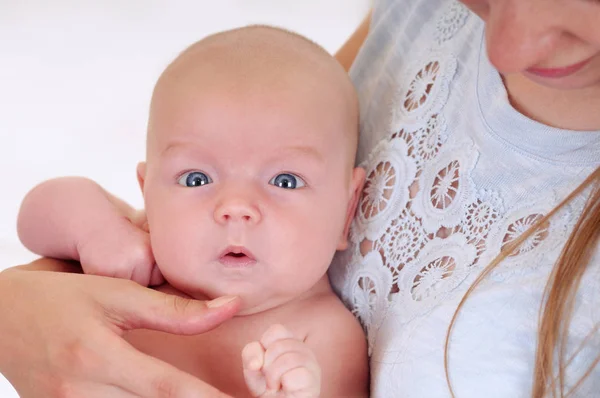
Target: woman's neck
[(565, 109)]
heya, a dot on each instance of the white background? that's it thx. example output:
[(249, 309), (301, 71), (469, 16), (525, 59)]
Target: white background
[(76, 78)]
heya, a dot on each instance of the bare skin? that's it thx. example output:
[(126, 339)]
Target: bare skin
[(214, 356), (234, 114)]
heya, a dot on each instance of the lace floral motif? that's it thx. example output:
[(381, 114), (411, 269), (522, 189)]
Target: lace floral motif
[(430, 139), (480, 215), (519, 227), (392, 230), (445, 189), (543, 243), (427, 91), (401, 243), (389, 173), (453, 18), (424, 143), (439, 268), (368, 288)]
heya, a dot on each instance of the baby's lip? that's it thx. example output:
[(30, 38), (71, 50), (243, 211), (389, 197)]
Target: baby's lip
[(237, 256), (237, 250)]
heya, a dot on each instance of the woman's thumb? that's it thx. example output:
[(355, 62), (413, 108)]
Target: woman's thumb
[(142, 308)]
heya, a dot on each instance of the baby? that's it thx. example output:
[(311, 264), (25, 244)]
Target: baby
[(249, 188)]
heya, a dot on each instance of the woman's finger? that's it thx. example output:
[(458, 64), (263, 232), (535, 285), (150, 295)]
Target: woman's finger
[(135, 307)]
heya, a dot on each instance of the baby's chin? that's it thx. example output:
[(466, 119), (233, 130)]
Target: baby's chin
[(250, 305), (252, 308), (253, 304)]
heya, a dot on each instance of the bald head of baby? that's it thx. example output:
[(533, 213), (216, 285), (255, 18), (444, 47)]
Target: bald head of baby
[(260, 81), (251, 142)]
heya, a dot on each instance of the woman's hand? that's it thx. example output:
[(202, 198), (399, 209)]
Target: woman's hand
[(61, 334)]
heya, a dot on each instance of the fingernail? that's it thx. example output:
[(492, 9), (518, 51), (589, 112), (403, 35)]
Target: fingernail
[(221, 301)]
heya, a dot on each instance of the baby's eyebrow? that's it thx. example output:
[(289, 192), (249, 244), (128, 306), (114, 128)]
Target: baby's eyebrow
[(303, 150), (178, 147)]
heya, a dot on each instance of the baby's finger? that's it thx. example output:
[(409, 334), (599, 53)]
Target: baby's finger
[(253, 356), (252, 360), (286, 362), (274, 333), (283, 346), (256, 382), (301, 383)]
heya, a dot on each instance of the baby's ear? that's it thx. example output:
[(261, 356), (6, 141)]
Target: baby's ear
[(141, 174), (356, 186)]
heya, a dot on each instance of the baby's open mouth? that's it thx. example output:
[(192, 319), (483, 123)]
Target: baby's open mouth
[(237, 257)]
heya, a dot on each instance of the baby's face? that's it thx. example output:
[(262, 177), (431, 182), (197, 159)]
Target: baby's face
[(248, 192)]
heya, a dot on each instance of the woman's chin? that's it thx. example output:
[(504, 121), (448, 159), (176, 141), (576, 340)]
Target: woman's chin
[(567, 83)]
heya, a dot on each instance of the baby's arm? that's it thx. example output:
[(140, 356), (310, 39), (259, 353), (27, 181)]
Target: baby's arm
[(331, 361), (74, 218), (340, 346)]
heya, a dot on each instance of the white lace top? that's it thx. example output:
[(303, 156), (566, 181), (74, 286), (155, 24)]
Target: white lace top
[(454, 174)]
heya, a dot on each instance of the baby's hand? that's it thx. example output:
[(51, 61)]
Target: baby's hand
[(120, 248), (280, 365)]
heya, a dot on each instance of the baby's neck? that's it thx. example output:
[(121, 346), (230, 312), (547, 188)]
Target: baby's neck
[(321, 288)]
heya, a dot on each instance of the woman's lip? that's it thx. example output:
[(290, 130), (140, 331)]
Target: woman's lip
[(555, 73)]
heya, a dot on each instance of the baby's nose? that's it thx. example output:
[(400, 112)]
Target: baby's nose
[(237, 210)]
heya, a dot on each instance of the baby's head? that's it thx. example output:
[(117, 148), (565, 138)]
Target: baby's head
[(250, 183)]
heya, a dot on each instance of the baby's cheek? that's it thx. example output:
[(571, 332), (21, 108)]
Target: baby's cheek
[(167, 245), (173, 263)]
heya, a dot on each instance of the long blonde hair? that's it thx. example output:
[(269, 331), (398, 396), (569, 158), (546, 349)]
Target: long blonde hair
[(559, 294)]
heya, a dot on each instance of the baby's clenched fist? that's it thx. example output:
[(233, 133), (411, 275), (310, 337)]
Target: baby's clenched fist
[(281, 365), (121, 249)]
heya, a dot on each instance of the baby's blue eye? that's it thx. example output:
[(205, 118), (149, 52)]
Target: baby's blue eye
[(194, 179), (287, 181)]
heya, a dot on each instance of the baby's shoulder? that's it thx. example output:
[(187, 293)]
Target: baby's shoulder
[(310, 314), (327, 315), (339, 343), (324, 323)]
